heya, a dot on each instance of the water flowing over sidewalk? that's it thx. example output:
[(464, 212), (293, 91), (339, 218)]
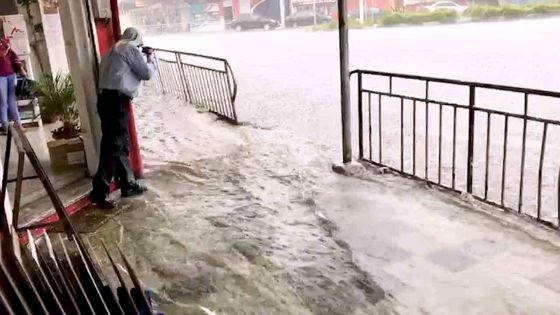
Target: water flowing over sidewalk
[(241, 220)]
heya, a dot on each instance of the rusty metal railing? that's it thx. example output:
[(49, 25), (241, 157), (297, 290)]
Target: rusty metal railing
[(55, 274), (203, 81), (466, 137)]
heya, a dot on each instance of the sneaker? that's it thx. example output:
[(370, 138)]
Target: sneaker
[(133, 190)]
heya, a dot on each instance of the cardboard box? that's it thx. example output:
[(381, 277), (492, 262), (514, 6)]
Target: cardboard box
[(67, 154)]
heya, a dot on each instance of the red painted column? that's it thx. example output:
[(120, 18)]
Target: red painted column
[(135, 155)]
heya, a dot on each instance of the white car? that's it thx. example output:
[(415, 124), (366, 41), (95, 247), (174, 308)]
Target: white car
[(449, 5)]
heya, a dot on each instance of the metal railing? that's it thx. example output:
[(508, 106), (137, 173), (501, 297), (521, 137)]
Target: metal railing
[(55, 275), (497, 143), (203, 81)]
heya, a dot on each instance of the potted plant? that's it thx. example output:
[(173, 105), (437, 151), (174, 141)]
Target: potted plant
[(58, 103)]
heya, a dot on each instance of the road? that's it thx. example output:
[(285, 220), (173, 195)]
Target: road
[(289, 79)]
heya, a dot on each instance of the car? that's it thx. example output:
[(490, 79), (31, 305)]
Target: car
[(303, 18), (253, 21), (447, 5)]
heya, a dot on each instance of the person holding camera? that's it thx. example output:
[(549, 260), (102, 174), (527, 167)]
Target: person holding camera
[(122, 70), (10, 64)]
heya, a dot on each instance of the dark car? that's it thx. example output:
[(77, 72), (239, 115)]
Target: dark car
[(253, 21), (304, 18)]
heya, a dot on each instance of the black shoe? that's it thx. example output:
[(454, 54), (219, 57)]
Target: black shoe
[(103, 204), (3, 131), (133, 190)]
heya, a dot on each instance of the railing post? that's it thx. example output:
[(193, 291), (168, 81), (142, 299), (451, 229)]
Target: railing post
[(360, 117), (344, 82), (472, 100)]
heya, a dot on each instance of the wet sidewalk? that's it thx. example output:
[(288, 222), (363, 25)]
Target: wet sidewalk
[(241, 220), (435, 253)]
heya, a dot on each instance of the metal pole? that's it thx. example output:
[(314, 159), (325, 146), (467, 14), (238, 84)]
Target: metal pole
[(344, 82), (314, 12), (362, 5), (282, 13)]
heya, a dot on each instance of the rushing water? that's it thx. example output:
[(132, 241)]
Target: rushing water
[(235, 220)]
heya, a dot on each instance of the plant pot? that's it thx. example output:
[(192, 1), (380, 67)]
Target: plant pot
[(67, 131)]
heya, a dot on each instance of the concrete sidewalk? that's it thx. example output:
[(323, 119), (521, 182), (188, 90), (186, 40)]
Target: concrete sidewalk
[(437, 254)]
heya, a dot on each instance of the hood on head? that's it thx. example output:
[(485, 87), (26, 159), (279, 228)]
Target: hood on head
[(131, 35)]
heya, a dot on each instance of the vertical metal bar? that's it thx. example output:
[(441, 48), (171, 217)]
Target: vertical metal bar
[(402, 134), (558, 198), (207, 94), (380, 130), (217, 91), (541, 163), (18, 190), (439, 143), (488, 138), (454, 157), (230, 113), (165, 76), (470, 153), (523, 149), (74, 275), (427, 142), (370, 129), (90, 274), (181, 76), (414, 137), (232, 88), (211, 90), (346, 111), (360, 118), (187, 84), (203, 87), (156, 58), (4, 188), (121, 279), (192, 84), (200, 92), (162, 75), (504, 160), (390, 84), (221, 89)]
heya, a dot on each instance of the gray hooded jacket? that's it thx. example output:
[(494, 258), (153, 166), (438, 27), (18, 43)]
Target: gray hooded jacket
[(124, 67)]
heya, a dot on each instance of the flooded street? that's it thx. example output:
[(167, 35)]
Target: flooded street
[(248, 220)]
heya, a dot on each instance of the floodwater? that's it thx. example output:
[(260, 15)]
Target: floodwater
[(249, 220), (289, 80)]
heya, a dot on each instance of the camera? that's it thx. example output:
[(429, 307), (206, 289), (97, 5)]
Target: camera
[(147, 50)]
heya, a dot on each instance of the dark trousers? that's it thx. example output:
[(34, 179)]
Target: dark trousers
[(113, 159)]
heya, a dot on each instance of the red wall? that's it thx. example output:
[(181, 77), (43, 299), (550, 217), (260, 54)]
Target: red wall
[(384, 5), (104, 35)]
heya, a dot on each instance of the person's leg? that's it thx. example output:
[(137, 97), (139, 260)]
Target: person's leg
[(107, 162), (123, 169), (4, 102), (12, 99), (129, 186)]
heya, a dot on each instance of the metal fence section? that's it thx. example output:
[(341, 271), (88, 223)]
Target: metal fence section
[(58, 273), (497, 143), (203, 81)]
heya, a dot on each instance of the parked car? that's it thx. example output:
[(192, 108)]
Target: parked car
[(449, 5), (303, 18), (253, 21)]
